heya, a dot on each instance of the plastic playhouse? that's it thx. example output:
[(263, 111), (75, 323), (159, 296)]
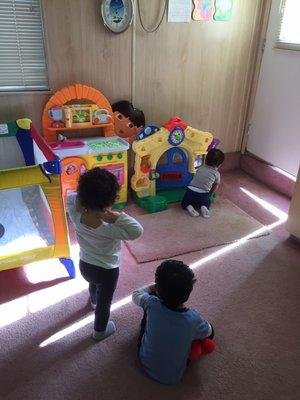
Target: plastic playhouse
[(79, 126), (32, 220), (165, 160)]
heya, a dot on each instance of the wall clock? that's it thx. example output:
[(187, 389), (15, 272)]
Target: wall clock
[(117, 14)]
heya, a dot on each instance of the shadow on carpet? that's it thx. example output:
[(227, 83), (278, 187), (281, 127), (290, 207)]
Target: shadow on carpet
[(173, 232)]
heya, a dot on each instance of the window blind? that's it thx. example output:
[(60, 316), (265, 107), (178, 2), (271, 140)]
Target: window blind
[(289, 27), (22, 53)]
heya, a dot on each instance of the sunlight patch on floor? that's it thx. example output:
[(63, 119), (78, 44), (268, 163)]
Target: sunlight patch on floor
[(292, 177), (12, 311), (83, 322), (266, 205), (38, 272)]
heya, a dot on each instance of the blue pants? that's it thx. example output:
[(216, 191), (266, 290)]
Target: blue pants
[(195, 199)]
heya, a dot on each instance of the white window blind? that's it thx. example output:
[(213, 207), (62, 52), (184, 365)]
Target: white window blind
[(22, 54), (289, 29)]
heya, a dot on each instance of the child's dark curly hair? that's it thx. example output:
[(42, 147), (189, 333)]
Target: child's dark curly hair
[(97, 189), (214, 158), (174, 283)]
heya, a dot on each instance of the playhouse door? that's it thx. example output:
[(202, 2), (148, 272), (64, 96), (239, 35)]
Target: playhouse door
[(173, 173)]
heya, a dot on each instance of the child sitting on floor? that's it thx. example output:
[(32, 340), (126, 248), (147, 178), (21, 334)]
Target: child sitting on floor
[(169, 329), (204, 184), (99, 232)]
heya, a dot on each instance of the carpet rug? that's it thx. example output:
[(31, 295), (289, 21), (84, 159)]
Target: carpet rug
[(173, 232)]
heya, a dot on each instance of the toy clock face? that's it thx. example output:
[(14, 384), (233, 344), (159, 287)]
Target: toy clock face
[(176, 136), (117, 14)]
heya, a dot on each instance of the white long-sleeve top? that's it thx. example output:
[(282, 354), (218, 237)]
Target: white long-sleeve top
[(102, 246)]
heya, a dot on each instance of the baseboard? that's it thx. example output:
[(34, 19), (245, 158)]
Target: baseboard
[(231, 162), (267, 174), (295, 239)]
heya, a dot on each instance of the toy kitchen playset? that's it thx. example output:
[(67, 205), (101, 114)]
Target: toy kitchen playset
[(78, 125)]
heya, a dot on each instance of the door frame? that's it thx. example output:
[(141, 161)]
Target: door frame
[(259, 40)]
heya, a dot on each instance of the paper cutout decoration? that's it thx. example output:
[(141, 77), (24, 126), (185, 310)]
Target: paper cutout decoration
[(203, 10), (179, 10), (223, 10)]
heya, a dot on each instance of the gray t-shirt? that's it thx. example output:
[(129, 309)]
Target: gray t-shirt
[(204, 179)]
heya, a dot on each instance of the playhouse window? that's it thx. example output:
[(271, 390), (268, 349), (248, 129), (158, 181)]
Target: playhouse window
[(22, 53), (289, 29), (163, 159), (177, 159), (199, 160)]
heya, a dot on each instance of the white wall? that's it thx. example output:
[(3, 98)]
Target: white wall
[(275, 126)]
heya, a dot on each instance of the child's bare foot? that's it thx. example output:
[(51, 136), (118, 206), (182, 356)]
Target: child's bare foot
[(192, 211), (205, 212)]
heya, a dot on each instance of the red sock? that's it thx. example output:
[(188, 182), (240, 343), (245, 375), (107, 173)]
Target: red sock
[(196, 351), (208, 346), (201, 347)]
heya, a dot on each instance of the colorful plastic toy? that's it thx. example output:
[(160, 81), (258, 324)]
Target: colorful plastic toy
[(214, 144), (79, 155), (214, 197), (128, 120), (86, 148), (78, 114), (165, 161), (147, 131), (33, 224), (101, 116), (56, 114)]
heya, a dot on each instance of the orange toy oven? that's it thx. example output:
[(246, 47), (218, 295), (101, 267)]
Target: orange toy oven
[(72, 168)]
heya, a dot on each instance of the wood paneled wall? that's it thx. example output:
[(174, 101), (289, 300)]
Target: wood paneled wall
[(200, 71)]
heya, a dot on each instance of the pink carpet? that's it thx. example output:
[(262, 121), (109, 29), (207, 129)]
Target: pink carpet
[(250, 294), (173, 232)]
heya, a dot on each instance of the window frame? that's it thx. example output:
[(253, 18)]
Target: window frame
[(279, 44)]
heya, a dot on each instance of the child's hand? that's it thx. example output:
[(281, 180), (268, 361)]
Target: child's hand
[(78, 206), (109, 216), (152, 288)]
